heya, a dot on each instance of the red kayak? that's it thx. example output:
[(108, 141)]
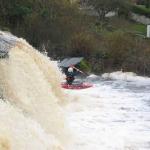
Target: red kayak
[(76, 86)]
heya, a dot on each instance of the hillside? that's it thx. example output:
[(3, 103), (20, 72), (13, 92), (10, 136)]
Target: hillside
[(64, 30)]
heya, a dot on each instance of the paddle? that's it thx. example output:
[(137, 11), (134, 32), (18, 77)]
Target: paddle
[(79, 70)]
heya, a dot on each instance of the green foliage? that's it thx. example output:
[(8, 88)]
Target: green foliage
[(21, 10), (139, 28), (124, 8), (64, 30), (13, 12), (102, 7), (48, 22), (118, 45), (83, 44), (147, 3), (120, 24), (126, 51), (142, 10), (85, 66)]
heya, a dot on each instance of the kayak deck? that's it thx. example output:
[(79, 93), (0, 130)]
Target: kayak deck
[(76, 86)]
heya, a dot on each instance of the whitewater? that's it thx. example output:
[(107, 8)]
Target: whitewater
[(113, 115), (31, 115), (37, 114)]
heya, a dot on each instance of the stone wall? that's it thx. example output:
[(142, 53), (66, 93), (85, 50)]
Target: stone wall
[(141, 19)]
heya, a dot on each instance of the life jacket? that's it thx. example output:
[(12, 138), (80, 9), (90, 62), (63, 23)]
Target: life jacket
[(70, 74)]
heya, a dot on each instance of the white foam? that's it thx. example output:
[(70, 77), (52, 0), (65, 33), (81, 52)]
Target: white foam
[(31, 82), (18, 132), (126, 76), (106, 118)]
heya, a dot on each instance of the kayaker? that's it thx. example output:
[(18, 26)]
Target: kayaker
[(70, 75)]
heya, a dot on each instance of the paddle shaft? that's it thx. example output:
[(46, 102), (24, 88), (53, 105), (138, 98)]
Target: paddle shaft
[(79, 70)]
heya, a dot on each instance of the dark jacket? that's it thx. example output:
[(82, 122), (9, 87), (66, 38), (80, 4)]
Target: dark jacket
[(71, 74)]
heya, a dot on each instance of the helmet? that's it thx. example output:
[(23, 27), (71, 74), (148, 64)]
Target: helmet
[(70, 69)]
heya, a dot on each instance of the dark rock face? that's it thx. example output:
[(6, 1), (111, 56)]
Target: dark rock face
[(7, 41)]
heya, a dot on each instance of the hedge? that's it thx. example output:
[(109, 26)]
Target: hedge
[(139, 9)]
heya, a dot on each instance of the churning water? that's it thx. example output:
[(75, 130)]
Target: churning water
[(112, 115), (30, 88)]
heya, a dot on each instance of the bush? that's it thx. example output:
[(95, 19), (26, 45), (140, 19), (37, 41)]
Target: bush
[(85, 66), (139, 9), (119, 47), (82, 45)]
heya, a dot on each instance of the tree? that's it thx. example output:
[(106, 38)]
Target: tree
[(147, 3), (102, 7), (48, 22)]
